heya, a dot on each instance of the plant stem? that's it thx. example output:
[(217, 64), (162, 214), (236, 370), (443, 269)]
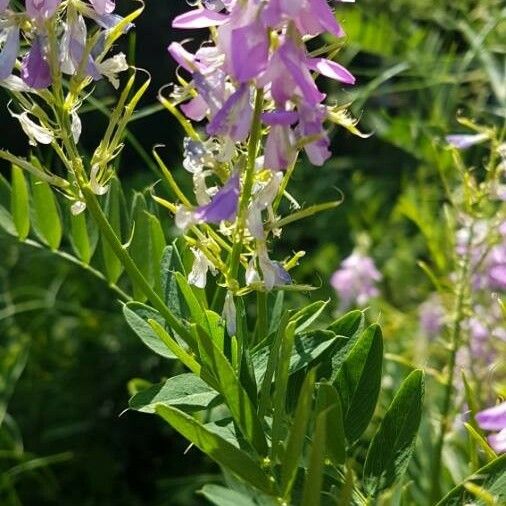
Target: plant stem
[(262, 316), (455, 341), (130, 266), (254, 142)]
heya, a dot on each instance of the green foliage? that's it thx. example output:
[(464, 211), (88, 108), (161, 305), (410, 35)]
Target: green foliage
[(359, 380), (392, 446)]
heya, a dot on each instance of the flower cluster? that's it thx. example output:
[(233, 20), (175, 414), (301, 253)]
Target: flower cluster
[(484, 243), (78, 53), (254, 77), (356, 279), (261, 44)]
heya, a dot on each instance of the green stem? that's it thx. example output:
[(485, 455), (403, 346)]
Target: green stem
[(131, 268), (262, 316), (254, 142), (455, 342)]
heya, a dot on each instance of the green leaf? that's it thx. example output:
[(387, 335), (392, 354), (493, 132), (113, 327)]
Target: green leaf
[(347, 325), (140, 245), (221, 496), (277, 312), (186, 391), (46, 217), (280, 390), (309, 314), (314, 476), (358, 382), (20, 203), (157, 240), (328, 400), (218, 449), (391, 448), (137, 316), (296, 439), (308, 349), (216, 365), (171, 263), (80, 238), (13, 359), (113, 266), (6, 222), (491, 477), (176, 347)]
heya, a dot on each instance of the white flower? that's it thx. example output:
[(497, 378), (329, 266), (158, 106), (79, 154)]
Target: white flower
[(36, 133), (230, 314), (76, 126), (96, 187), (113, 66), (15, 83), (201, 265)]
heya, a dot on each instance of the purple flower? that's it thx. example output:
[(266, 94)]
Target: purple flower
[(103, 7), (280, 151), (310, 125), (234, 118), (3, 4), (35, 70), (9, 52), (41, 9), (223, 205), (494, 419), (73, 46), (464, 141), (431, 316), (355, 281), (295, 62), (251, 40), (199, 18)]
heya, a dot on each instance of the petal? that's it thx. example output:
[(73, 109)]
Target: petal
[(331, 69), (182, 56), (492, 418), (3, 5), (9, 52), (464, 141), (286, 118), (196, 109), (251, 40), (279, 148), (498, 441), (295, 61), (199, 18), (103, 6), (35, 70), (234, 118), (224, 204)]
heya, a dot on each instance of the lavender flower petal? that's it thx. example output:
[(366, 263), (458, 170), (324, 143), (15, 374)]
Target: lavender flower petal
[(493, 418), (224, 204), (9, 52), (199, 18), (35, 70)]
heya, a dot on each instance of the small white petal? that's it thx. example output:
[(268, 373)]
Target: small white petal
[(15, 83), (76, 127), (184, 218), (113, 66), (230, 314), (95, 185), (36, 133), (77, 208), (201, 265), (251, 275)]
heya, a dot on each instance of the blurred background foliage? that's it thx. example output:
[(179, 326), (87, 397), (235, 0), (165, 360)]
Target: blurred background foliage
[(66, 355)]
